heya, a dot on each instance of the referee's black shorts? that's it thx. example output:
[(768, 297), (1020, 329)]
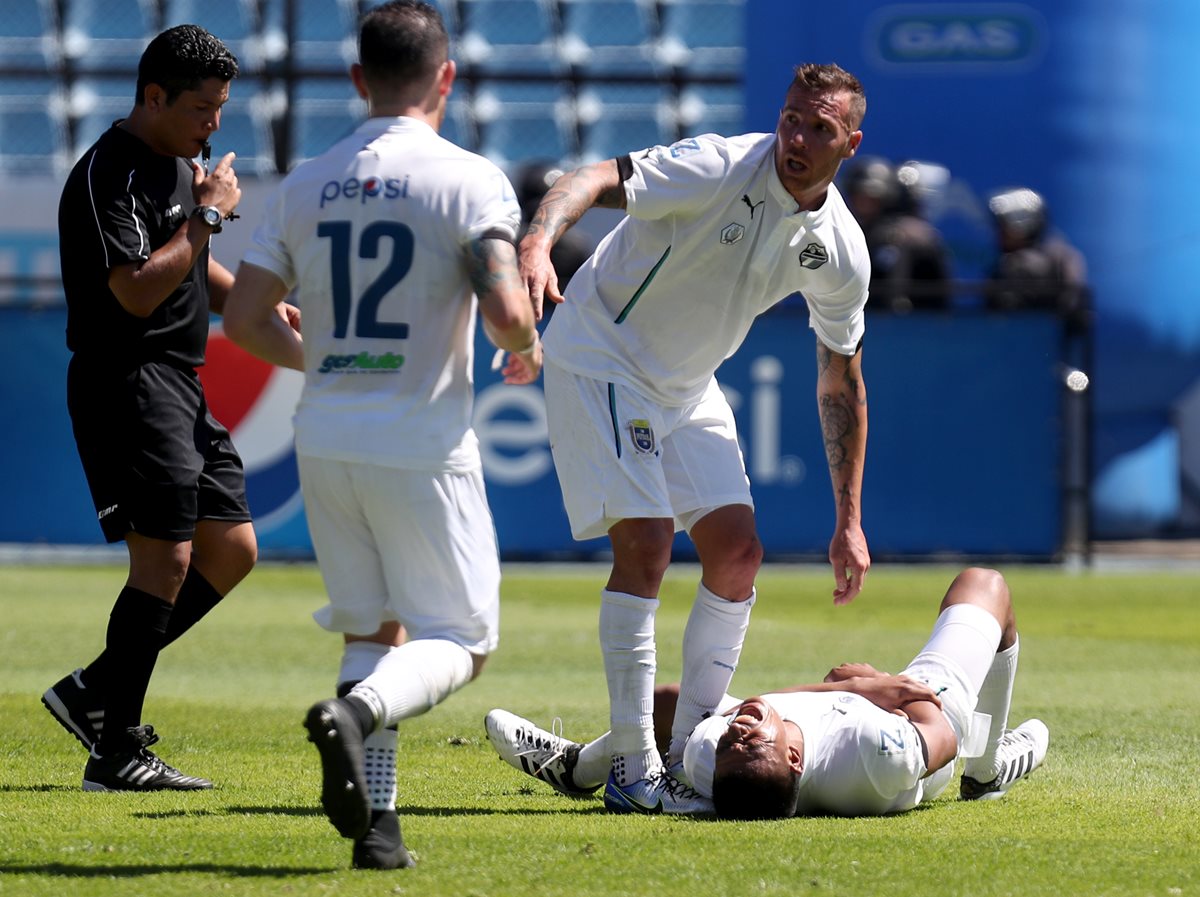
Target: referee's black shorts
[(156, 460)]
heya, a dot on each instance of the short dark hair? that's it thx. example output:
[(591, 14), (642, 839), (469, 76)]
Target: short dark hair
[(180, 58), (402, 42), (754, 791), (831, 77)]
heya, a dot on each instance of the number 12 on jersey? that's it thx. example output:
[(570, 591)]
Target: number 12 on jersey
[(341, 238)]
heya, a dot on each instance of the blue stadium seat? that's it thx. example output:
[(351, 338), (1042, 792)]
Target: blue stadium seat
[(323, 111), (712, 108), (510, 36), (246, 129), (459, 124), (235, 22), (324, 35), (94, 104), (704, 37), (29, 35), (609, 37), (617, 118), (523, 121), (33, 130), (448, 9), (107, 34)]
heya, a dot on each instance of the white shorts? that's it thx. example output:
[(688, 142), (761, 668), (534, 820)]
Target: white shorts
[(621, 455), (408, 545)]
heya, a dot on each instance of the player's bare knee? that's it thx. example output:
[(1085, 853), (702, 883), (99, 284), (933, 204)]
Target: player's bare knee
[(984, 587), (477, 662)]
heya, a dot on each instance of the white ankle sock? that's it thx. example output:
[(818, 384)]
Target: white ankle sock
[(995, 699), (416, 676), (379, 764), (627, 643), (359, 660), (594, 763), (712, 644)]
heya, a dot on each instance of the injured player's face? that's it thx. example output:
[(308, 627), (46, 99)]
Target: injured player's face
[(756, 737)]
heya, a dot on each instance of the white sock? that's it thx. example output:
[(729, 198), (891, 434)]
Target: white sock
[(414, 677), (380, 766), (995, 698), (627, 643), (712, 644), (359, 660), (594, 763)]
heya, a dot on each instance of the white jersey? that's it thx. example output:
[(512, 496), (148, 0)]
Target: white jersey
[(711, 240), (373, 235), (859, 760)]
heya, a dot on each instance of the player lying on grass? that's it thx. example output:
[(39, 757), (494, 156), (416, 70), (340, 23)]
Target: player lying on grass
[(859, 743)]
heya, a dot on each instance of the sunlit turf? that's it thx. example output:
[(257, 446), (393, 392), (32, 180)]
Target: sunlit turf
[(1110, 662)]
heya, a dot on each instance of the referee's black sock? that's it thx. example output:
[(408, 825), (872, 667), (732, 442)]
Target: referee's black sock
[(136, 628), (195, 599)]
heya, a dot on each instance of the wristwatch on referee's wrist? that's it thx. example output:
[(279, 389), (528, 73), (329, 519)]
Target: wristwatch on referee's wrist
[(210, 215)]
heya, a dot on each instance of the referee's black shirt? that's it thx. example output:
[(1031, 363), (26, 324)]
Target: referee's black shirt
[(121, 202)]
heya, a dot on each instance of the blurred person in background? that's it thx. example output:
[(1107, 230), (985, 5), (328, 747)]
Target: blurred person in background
[(910, 267), (1036, 268)]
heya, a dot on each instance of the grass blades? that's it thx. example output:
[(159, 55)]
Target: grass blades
[(1110, 662)]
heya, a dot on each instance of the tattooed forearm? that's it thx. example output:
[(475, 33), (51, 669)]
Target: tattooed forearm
[(492, 266), (842, 408), (573, 194), (836, 423)]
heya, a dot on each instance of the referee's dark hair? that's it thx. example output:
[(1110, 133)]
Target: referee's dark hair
[(402, 43), (180, 58)]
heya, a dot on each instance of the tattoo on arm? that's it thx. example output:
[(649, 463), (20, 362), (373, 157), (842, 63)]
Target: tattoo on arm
[(841, 406), (492, 266), (573, 194), (836, 423)]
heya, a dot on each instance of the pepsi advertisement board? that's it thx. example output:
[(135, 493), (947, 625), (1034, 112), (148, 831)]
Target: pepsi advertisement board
[(945, 473)]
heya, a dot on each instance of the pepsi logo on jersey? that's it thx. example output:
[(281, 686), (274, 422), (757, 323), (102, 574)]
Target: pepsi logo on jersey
[(371, 188)]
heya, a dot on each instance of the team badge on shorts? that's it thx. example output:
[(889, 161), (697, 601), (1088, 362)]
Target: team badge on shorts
[(642, 436)]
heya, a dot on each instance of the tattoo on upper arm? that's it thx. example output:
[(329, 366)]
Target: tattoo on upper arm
[(492, 265)]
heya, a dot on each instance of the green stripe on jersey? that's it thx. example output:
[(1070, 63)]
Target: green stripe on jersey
[(645, 283)]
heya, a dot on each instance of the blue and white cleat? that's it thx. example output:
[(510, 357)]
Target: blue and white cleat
[(659, 792)]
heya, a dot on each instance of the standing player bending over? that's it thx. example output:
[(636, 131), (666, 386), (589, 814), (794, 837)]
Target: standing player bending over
[(718, 231), (859, 743), (387, 238)]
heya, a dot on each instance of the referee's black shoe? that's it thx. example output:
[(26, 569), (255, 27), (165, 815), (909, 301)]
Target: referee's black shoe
[(131, 766), (77, 708)]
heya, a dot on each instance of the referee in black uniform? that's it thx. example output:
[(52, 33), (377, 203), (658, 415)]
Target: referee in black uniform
[(135, 220)]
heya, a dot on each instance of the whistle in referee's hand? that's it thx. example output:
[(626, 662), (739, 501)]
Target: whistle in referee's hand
[(205, 156)]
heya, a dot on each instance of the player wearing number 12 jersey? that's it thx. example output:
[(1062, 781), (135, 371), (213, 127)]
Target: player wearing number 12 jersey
[(389, 239)]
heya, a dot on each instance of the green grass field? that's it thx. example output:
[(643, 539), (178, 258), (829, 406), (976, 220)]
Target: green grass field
[(1110, 662)]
